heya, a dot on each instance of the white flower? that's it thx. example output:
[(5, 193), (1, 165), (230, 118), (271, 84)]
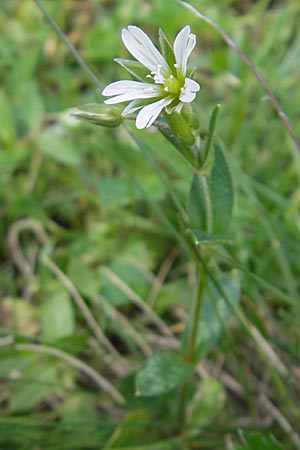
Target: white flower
[(163, 81)]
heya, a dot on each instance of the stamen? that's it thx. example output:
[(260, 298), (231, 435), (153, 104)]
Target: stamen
[(175, 65), (171, 76), (166, 89)]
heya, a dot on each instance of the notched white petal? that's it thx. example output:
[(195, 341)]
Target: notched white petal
[(191, 85), (141, 47), (188, 91), (126, 90), (184, 43), (132, 107), (149, 113)]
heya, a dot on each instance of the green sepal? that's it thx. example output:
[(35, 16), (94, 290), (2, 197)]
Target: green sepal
[(135, 68), (167, 51), (206, 156), (181, 128), (185, 150)]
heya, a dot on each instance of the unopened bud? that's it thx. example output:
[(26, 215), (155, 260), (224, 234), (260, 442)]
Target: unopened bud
[(99, 114)]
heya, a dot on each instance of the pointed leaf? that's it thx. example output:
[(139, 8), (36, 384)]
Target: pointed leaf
[(211, 197), (207, 402), (259, 441), (216, 312), (202, 237)]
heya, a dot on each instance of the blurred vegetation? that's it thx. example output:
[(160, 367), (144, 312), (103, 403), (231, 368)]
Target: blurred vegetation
[(85, 220)]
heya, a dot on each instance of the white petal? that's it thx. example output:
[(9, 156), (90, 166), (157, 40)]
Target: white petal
[(149, 113), (189, 90), (141, 47), (132, 107), (187, 97), (191, 85), (183, 46), (126, 90)]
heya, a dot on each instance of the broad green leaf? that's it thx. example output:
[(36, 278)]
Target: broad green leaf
[(207, 403), (161, 373), (33, 386), (59, 147), (86, 279), (211, 197), (12, 362), (57, 317)]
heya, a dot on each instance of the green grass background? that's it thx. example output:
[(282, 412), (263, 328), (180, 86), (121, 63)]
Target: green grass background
[(103, 208)]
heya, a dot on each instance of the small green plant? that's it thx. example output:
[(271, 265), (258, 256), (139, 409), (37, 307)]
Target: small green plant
[(112, 349)]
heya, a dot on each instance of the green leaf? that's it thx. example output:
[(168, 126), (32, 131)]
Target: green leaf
[(211, 197), (202, 237), (57, 317), (7, 125), (215, 313), (129, 431), (35, 383), (259, 441), (135, 68), (207, 402), (86, 279), (161, 373), (101, 34), (59, 147)]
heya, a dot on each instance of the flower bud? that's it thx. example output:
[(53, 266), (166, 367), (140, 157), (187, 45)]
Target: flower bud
[(99, 114)]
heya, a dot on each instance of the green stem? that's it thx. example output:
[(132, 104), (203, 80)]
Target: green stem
[(191, 354), (192, 339)]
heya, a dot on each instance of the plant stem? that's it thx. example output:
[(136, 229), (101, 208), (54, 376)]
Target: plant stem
[(190, 353), (192, 338)]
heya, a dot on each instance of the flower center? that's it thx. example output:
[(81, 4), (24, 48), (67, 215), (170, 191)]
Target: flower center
[(172, 85)]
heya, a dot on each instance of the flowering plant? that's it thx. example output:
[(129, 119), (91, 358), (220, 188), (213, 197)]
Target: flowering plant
[(165, 84), (164, 81)]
